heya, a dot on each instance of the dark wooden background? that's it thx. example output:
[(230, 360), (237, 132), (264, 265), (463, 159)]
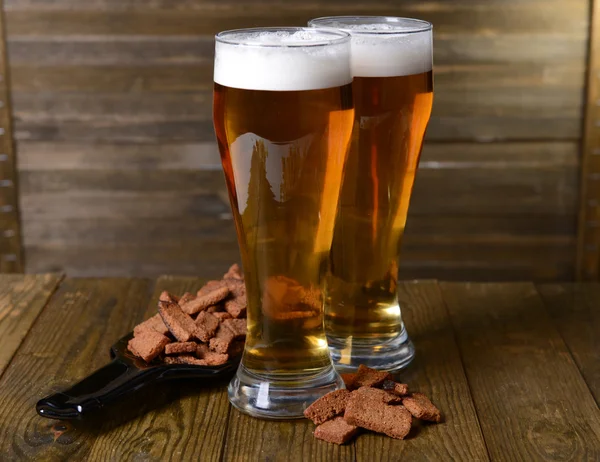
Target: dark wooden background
[(119, 172)]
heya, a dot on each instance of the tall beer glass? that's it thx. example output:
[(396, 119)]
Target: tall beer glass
[(393, 95), (283, 116)]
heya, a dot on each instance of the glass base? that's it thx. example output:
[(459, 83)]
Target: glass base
[(270, 397), (391, 355)]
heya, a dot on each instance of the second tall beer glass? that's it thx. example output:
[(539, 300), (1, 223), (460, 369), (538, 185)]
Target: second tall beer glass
[(283, 115), (393, 95)]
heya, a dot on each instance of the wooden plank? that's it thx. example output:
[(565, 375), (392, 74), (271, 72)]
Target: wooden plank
[(106, 107), (531, 401), (483, 271), (574, 308), (191, 427), (45, 5), (487, 233), (501, 128), (44, 156), (250, 439), (22, 298), (182, 50), (11, 258), (544, 260), (153, 131), (140, 117), (444, 229), (27, 78), (185, 232), (507, 101), (120, 204), (588, 243), (138, 79), (69, 340), (504, 100), (41, 156), (51, 206), (133, 118), (491, 192), (175, 181), (438, 372), (500, 156), (205, 259), (511, 260), (487, 248), (526, 234), (481, 262), (490, 226), (464, 16)]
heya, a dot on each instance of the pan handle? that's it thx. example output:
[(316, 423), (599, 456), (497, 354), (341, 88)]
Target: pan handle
[(94, 392)]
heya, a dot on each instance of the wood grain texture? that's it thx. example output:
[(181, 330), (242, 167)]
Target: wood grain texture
[(513, 250), (476, 100), (70, 339), (113, 121), (541, 230), (437, 371), (588, 235), (143, 117), (11, 250), (575, 310), (43, 156), (194, 78), (210, 17), (546, 48), (517, 179), (206, 257), (191, 423), (531, 400), (22, 298), (250, 439), (164, 206), (480, 261), (526, 191)]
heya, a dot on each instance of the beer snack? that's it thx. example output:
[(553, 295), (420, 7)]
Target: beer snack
[(366, 377), (336, 431), (148, 344), (348, 379), (180, 348), (421, 407), (201, 302), (366, 409), (154, 323), (179, 324), (328, 406), (196, 329), (399, 389), (384, 408)]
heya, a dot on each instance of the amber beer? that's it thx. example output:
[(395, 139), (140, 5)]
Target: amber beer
[(283, 116), (393, 94)]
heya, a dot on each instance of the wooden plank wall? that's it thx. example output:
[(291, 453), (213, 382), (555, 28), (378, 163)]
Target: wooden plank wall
[(588, 243), (11, 251), (120, 175)]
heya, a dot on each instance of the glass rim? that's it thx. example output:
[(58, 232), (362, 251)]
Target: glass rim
[(420, 24), (338, 37)]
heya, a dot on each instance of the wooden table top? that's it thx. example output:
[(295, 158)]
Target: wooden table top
[(515, 369)]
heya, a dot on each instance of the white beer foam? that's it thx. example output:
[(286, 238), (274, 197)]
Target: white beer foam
[(282, 61), (387, 49)]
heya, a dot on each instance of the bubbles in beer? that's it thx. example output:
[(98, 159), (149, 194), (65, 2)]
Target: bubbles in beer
[(392, 48), (282, 60)]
